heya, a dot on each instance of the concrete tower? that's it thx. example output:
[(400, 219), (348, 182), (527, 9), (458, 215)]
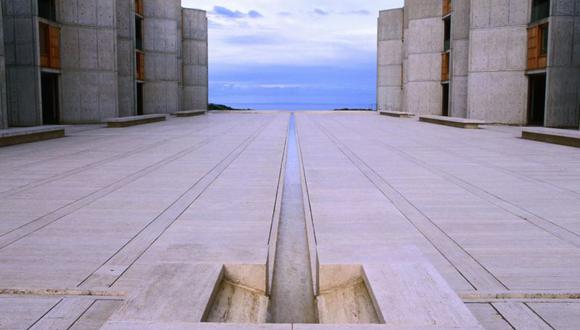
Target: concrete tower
[(195, 60), (88, 74), (424, 42), (3, 106), (390, 60)]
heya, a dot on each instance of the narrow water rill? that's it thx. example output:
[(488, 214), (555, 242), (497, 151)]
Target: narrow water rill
[(292, 297)]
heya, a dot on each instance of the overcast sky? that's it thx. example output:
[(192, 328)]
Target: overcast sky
[(293, 53)]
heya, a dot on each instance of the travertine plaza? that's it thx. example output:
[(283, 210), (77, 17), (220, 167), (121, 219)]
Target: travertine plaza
[(141, 210)]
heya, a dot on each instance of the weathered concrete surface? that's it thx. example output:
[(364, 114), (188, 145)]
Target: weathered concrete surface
[(88, 55), (497, 82), (195, 60), (390, 60), (146, 218), (460, 19), (22, 65), (563, 72), (125, 15), (424, 42)]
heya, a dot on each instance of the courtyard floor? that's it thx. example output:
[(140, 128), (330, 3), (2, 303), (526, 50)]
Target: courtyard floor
[(131, 228)]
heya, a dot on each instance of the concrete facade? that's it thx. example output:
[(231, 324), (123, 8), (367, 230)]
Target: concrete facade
[(3, 106), (160, 43), (22, 64), (424, 42), (497, 61), (195, 60), (88, 73), (390, 60), (563, 70), (489, 73), (91, 48)]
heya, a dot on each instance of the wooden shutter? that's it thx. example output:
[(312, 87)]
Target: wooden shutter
[(54, 46), (445, 66), (140, 66), (536, 60), (447, 7), (139, 7)]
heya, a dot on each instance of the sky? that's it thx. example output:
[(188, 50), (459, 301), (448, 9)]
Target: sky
[(293, 54)]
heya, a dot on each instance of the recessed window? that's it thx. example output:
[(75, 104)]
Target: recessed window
[(544, 29), (540, 10), (47, 9), (447, 36), (138, 32)]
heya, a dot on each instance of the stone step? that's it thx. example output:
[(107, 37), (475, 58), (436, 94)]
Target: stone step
[(134, 120), (190, 113), (13, 136), (452, 121), (397, 114), (564, 137)]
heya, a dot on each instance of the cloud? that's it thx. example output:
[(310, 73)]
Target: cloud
[(253, 39), (357, 12), (235, 14), (284, 13), (320, 12)]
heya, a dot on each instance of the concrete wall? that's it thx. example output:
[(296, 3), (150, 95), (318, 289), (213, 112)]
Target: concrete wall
[(161, 89), (497, 61), (88, 79), (459, 57), (390, 60), (424, 42), (195, 60), (404, 106), (563, 72), (3, 107), (22, 62), (126, 57)]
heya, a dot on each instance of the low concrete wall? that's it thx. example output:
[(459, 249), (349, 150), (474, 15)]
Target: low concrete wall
[(195, 60), (390, 60)]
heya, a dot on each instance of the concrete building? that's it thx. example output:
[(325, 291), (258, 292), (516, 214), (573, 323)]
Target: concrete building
[(511, 62), (81, 62)]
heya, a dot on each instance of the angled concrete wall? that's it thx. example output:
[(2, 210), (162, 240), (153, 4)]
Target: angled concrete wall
[(497, 61), (390, 60), (563, 72), (404, 106), (161, 89), (88, 60), (195, 60), (126, 57), (424, 42), (3, 106), (459, 57), (22, 62)]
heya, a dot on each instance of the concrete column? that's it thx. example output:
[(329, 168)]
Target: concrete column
[(195, 60), (497, 83), (563, 72), (425, 45), (88, 60), (404, 102), (390, 60), (126, 57), (161, 89), (3, 107), (22, 62), (459, 57)]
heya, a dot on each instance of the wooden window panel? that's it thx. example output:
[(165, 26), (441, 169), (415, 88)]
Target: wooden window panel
[(445, 57), (54, 46), (139, 7), (447, 7), (140, 65)]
